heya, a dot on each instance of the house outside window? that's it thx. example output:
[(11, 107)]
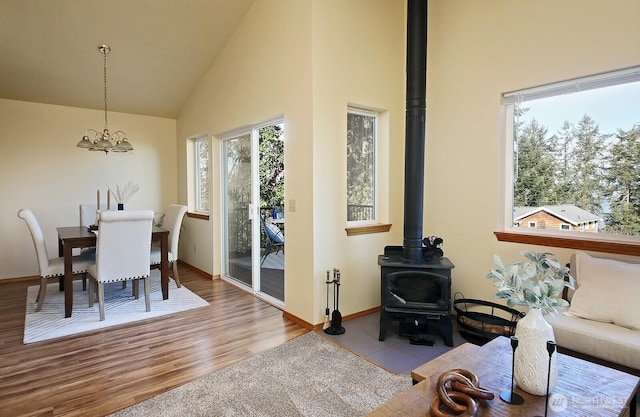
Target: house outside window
[(576, 144), (361, 166)]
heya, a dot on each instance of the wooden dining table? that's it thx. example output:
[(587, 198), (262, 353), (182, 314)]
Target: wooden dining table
[(71, 237)]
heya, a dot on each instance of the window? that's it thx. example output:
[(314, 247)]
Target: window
[(198, 155), (572, 151), (532, 225), (361, 165)]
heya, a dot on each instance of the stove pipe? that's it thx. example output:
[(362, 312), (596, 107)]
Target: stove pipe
[(415, 128)]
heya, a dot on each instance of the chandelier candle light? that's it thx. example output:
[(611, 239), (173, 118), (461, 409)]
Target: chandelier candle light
[(105, 141)]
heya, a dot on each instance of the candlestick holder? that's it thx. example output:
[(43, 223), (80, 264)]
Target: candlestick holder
[(510, 396), (551, 347)]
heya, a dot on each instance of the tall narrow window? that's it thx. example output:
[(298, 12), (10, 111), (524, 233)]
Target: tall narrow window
[(201, 174), (573, 152), (361, 165)]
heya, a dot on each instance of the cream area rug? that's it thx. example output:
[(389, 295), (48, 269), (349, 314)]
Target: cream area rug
[(308, 376), (120, 307)]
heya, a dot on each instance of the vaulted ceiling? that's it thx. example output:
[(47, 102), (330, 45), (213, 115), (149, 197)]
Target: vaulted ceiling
[(161, 49)]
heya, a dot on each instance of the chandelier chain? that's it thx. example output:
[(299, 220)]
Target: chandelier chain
[(104, 54)]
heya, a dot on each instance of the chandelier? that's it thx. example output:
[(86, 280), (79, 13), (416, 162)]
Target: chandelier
[(105, 141)]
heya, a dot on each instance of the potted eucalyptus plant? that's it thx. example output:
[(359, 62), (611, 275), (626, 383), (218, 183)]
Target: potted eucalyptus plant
[(537, 283)]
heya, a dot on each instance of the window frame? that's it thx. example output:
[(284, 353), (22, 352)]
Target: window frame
[(194, 175), (600, 242), (364, 111)]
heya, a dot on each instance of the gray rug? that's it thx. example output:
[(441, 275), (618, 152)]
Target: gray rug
[(307, 376)]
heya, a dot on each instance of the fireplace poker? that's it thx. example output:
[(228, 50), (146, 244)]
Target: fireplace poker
[(327, 322)]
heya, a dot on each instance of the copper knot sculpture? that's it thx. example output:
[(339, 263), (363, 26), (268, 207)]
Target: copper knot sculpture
[(458, 394)]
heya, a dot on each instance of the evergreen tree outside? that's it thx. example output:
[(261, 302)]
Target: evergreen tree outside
[(536, 168), (592, 134), (360, 166), (623, 179), (271, 150), (564, 184), (578, 165), (587, 170)]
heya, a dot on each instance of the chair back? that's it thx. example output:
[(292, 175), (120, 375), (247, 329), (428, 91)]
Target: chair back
[(172, 222), (273, 232), (89, 214), (38, 238), (122, 246)]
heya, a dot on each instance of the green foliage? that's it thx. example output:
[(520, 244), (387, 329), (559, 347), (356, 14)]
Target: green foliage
[(536, 167), (271, 151), (537, 283), (579, 165), (360, 160), (623, 178), (587, 170)]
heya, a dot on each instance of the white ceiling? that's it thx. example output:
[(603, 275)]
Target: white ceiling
[(161, 49)]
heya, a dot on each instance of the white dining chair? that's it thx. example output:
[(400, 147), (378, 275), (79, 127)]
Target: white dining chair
[(50, 267), (172, 222), (122, 253)]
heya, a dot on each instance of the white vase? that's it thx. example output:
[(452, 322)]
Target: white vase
[(532, 357)]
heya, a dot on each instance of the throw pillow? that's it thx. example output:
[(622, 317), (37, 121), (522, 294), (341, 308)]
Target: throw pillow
[(607, 290)]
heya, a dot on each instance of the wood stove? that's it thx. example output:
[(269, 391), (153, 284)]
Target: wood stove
[(415, 291)]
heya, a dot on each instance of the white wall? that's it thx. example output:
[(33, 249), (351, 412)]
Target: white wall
[(41, 169)]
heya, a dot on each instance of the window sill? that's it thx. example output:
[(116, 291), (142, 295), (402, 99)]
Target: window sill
[(200, 216), (368, 229), (616, 247)]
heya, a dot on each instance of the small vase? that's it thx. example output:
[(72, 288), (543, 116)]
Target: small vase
[(120, 206), (531, 357)]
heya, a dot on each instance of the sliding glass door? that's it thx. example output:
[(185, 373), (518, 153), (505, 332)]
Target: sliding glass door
[(237, 214), (253, 215)]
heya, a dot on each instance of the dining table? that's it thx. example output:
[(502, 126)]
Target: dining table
[(70, 237)]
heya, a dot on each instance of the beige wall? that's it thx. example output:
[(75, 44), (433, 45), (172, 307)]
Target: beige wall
[(264, 71), (324, 55), (41, 169), (477, 51), (306, 60), (359, 59)]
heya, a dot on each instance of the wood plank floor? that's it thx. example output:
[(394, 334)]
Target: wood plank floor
[(104, 371)]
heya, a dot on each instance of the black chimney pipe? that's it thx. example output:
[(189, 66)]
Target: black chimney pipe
[(415, 128)]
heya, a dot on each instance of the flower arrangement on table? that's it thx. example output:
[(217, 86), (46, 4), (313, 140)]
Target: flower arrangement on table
[(122, 195), (537, 283)]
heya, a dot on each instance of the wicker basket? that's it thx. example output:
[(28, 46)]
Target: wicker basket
[(481, 321)]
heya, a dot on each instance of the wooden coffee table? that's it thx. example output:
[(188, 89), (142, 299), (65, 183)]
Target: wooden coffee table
[(583, 388)]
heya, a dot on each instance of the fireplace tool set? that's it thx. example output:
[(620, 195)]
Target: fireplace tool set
[(335, 327)]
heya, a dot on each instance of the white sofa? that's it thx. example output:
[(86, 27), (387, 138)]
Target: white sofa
[(603, 322)]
